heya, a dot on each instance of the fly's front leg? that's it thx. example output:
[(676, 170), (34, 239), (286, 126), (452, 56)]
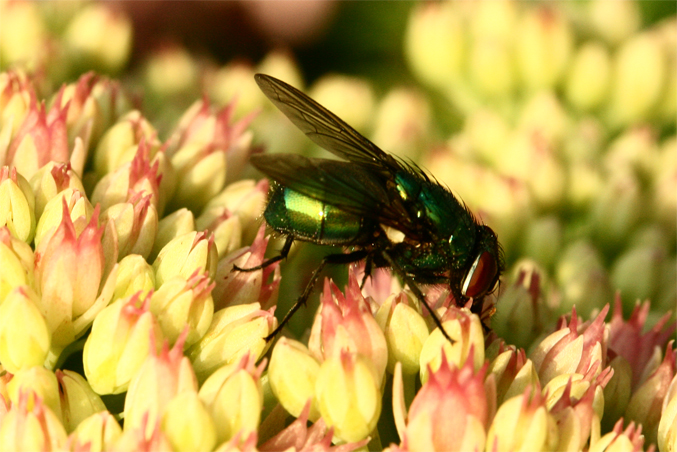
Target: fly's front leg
[(330, 259), (284, 252)]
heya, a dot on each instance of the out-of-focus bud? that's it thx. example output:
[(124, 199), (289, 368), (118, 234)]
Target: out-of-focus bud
[(135, 223), (449, 412), (668, 104), (120, 143), (207, 149), (587, 83), (17, 204), (523, 423), (136, 439), (234, 397), (350, 98), (37, 384), (16, 93), (185, 255), (405, 332), (78, 401), (487, 132), (79, 209), (544, 120), (628, 440), (23, 35), (170, 227), (639, 77), (17, 262), (345, 324), (99, 431), (491, 68), (582, 146), (162, 377), (465, 329), (238, 444), (645, 404), (281, 64), (402, 123), (617, 392), (583, 279), (348, 395), (628, 340), (24, 336), (544, 44), (99, 37), (236, 81), (635, 273), (246, 199), (543, 240), (664, 186), (294, 386), (614, 21), (667, 426), (584, 183), (435, 43), (513, 372), (68, 276), (51, 180), (31, 425), (636, 150), (41, 138), (518, 316), (235, 287), (134, 275), (182, 304), (122, 337), (187, 423), (570, 350), (235, 331), (171, 71)]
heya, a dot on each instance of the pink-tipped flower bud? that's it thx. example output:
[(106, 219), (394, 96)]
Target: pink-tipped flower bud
[(628, 440), (134, 275), (36, 383), (188, 424), (99, 432), (122, 337), (182, 304), (31, 425), (667, 426), (17, 262), (16, 92), (449, 412), (135, 223), (160, 378), (78, 400), (52, 179), (78, 208), (345, 324)]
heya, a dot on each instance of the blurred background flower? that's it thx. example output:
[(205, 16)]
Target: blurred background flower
[(129, 124)]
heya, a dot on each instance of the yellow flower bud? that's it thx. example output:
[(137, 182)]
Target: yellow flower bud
[(667, 426), (134, 275), (122, 336), (187, 423), (50, 180), (17, 204), (491, 68), (78, 400), (100, 36), (189, 253), (348, 396), (294, 386), (171, 71), (25, 338), (614, 21), (227, 230), (234, 397), (100, 431), (79, 208), (170, 227), (23, 35), (235, 331), (17, 262), (236, 80), (135, 223), (16, 92)]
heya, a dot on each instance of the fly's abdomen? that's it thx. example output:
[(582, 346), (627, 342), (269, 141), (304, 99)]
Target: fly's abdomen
[(292, 213)]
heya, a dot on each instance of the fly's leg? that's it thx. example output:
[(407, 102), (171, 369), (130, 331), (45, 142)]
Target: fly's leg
[(330, 259), (414, 288), (283, 255)]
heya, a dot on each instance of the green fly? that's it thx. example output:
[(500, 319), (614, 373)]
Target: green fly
[(354, 203)]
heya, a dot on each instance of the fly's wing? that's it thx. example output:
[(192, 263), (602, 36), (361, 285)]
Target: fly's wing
[(350, 187), (324, 127)]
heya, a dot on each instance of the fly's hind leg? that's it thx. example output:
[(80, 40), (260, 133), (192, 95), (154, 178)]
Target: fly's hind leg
[(283, 255), (330, 259)]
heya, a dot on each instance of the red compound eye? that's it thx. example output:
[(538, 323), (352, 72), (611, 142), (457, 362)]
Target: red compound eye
[(481, 277)]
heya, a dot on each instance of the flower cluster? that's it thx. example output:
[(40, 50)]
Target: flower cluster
[(124, 324)]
